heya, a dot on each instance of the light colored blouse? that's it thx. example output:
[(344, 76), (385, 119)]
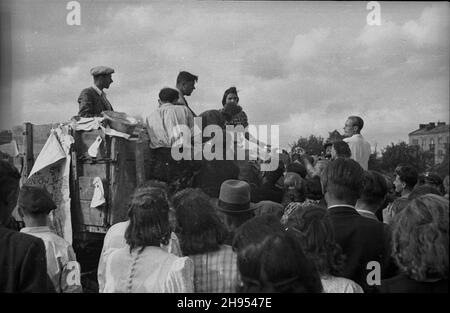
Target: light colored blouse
[(115, 239), (333, 284), (152, 270), (62, 266)]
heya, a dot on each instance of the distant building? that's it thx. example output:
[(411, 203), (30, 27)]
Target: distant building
[(432, 137)]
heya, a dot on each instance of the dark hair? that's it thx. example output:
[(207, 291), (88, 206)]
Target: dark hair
[(420, 238), (168, 95), (276, 263), (374, 188), (35, 200), (297, 168), (408, 175), (199, 228), (314, 188), (433, 179), (255, 229), (313, 227), (149, 219), (423, 190), (271, 177), (342, 149), (234, 220), (9, 179), (343, 179), (271, 208), (9, 183), (357, 121), (184, 76), (227, 92), (294, 188)]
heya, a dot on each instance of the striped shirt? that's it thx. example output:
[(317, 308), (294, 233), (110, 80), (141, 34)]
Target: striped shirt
[(216, 271)]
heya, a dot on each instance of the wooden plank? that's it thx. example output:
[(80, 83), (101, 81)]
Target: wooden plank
[(140, 162), (18, 133), (86, 187), (29, 156), (84, 139), (92, 216), (92, 169)]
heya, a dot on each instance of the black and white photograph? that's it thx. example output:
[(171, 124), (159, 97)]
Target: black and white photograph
[(224, 152)]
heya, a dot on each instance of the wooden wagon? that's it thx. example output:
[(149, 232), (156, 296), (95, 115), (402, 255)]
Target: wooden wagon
[(120, 163)]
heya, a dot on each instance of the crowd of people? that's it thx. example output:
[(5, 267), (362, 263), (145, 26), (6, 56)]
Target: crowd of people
[(324, 236), (314, 225)]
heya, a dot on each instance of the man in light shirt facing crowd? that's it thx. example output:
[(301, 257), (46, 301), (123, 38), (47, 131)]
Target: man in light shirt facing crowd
[(359, 147)]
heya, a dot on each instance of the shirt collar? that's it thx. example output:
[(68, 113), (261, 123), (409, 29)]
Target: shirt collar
[(37, 229), (341, 205), (97, 90), (365, 211)]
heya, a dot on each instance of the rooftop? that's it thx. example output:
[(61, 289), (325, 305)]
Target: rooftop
[(431, 128)]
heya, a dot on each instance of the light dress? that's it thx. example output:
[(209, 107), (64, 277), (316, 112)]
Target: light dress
[(152, 270)]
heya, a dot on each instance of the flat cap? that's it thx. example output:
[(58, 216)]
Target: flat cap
[(34, 199), (101, 70)]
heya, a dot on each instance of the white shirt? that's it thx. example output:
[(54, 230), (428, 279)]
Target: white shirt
[(367, 214), (165, 126), (360, 149), (62, 267)]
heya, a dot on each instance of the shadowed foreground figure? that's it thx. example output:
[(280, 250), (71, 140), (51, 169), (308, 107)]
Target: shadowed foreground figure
[(202, 237), (420, 243), (23, 266), (271, 259), (362, 239)]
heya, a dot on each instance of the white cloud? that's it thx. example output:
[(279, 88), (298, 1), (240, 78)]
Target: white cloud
[(305, 74), (433, 27), (307, 45)]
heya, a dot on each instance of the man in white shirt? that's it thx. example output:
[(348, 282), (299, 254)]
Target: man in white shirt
[(167, 127), (359, 147)]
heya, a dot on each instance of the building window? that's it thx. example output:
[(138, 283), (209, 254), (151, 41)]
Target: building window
[(440, 153), (424, 143), (432, 147), (439, 140), (431, 141), (415, 142)]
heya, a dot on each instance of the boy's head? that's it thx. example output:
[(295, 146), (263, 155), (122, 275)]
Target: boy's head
[(34, 200), (168, 95)]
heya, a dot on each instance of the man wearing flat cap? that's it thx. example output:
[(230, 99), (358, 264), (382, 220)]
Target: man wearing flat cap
[(92, 100)]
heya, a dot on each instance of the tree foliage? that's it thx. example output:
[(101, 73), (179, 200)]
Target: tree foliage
[(313, 145), (402, 153)]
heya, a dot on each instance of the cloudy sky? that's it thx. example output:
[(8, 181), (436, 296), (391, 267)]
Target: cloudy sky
[(303, 66)]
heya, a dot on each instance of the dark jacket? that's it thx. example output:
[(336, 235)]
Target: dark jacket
[(362, 240), (92, 104), (213, 173), (23, 264), (403, 284)]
